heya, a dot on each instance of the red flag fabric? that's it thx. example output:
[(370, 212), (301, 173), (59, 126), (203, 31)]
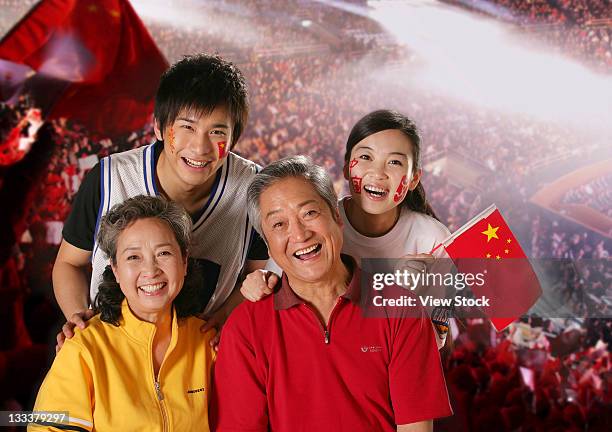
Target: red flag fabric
[(102, 53), (486, 245)]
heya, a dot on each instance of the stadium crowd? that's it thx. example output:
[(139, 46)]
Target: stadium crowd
[(579, 28), (596, 194), (570, 11), (497, 385)]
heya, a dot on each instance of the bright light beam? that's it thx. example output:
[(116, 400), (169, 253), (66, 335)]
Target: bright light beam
[(483, 62)]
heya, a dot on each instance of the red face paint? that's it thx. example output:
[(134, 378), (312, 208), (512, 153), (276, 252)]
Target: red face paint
[(222, 151), (356, 182), (401, 190)]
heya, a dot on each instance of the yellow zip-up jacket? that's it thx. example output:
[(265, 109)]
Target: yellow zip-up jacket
[(103, 377)]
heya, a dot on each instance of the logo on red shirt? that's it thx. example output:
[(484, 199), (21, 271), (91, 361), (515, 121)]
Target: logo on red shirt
[(372, 348)]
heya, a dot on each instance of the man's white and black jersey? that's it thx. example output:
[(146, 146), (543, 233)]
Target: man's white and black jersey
[(221, 231)]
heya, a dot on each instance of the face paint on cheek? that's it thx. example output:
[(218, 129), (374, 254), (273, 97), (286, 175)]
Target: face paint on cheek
[(355, 181), (222, 152), (400, 193), (171, 142)]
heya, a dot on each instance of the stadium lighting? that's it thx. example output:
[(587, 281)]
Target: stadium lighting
[(306, 23), (460, 55)]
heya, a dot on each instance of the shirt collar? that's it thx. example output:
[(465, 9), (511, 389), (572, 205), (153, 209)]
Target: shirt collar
[(142, 331), (286, 298)]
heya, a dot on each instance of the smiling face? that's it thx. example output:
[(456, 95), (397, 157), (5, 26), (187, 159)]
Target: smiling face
[(380, 171), (303, 236), (149, 268), (195, 146)]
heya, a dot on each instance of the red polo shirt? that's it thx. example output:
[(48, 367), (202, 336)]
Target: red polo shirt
[(279, 368)]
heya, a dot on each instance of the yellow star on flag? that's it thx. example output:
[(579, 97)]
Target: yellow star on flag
[(491, 233), (507, 250), (497, 257), (508, 241), (488, 255)]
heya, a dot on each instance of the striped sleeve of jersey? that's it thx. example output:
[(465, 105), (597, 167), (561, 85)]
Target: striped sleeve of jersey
[(68, 387)]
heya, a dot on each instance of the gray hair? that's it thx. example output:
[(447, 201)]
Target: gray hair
[(143, 207), (295, 166)]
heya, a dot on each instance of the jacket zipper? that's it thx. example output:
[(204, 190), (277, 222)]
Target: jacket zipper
[(160, 399), (326, 330), (157, 386)]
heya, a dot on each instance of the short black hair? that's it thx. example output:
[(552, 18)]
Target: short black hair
[(202, 83)]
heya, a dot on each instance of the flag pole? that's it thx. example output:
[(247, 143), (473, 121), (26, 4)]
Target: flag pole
[(483, 214)]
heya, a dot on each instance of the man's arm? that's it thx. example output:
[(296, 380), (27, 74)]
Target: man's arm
[(70, 279), (423, 426), (70, 283), (71, 290)]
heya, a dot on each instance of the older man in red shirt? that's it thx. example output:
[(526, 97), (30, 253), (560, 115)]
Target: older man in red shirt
[(306, 358)]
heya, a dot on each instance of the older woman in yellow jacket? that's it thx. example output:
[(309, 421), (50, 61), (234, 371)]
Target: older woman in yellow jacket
[(142, 363)]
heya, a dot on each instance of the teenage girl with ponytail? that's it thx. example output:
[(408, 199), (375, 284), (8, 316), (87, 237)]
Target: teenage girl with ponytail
[(386, 214)]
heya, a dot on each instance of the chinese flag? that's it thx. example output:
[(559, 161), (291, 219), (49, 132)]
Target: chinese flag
[(94, 62), (486, 245)]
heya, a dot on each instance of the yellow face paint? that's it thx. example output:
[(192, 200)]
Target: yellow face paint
[(222, 149)]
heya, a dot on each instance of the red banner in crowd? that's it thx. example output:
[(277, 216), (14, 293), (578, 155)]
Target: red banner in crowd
[(99, 51), (486, 245)]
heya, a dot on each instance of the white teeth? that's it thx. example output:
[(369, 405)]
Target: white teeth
[(307, 250), (374, 189), (153, 287), (195, 163)]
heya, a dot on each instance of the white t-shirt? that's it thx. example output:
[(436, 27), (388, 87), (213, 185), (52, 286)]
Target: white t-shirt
[(413, 233)]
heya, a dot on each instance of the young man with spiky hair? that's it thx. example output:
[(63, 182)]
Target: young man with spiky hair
[(201, 109)]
